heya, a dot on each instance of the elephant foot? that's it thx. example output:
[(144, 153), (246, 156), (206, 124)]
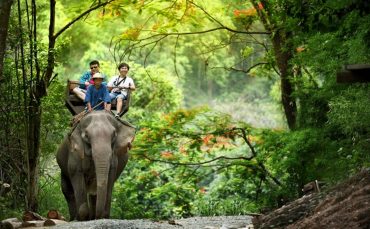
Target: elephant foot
[(103, 215), (83, 212)]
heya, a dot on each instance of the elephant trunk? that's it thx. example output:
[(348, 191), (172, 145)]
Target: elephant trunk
[(102, 167)]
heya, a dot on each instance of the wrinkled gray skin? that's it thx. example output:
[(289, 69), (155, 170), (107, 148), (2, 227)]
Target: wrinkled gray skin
[(91, 159)]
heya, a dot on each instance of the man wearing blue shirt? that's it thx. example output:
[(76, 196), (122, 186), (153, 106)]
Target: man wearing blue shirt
[(97, 95)]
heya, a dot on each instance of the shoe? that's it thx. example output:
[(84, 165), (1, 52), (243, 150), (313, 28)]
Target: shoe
[(116, 115)]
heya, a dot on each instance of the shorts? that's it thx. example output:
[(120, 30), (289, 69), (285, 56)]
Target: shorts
[(115, 95)]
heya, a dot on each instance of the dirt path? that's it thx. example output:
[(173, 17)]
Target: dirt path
[(346, 205), (215, 222)]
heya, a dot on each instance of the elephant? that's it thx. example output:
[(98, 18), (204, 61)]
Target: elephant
[(91, 158)]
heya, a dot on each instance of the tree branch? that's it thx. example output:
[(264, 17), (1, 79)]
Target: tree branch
[(260, 164), (200, 32), (242, 70), (5, 9), (81, 16), (198, 163)]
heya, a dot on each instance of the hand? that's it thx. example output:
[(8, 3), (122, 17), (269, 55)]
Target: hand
[(87, 83)]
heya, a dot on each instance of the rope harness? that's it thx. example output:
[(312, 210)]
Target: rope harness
[(77, 118)]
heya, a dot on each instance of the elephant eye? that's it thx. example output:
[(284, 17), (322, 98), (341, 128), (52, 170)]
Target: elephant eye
[(85, 136), (114, 136)]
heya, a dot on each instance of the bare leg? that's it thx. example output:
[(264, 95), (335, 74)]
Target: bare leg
[(79, 93), (119, 105), (108, 107)]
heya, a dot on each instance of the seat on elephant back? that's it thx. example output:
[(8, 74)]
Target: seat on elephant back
[(75, 105)]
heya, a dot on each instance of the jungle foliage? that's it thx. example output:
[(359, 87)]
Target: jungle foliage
[(216, 81)]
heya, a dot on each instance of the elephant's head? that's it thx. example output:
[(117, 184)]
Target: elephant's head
[(106, 140)]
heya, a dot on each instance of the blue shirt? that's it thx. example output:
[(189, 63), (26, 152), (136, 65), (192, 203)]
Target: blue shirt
[(87, 77), (95, 96)]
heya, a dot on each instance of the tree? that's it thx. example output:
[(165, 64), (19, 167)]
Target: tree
[(5, 9), (270, 15), (37, 75), (283, 51)]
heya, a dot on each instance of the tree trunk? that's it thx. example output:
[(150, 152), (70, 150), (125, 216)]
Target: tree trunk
[(51, 51), (11, 223), (53, 222), (282, 57), (30, 216), (5, 8), (283, 54), (37, 91), (33, 144), (55, 214)]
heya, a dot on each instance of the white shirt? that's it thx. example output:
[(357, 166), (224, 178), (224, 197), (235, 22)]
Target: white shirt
[(117, 81)]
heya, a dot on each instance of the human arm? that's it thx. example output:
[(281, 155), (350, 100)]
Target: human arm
[(130, 85), (107, 99), (110, 84), (84, 80), (88, 99), (89, 108)]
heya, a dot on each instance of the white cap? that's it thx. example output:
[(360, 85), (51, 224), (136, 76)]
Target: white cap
[(98, 76)]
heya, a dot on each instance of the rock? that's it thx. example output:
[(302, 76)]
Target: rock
[(233, 226), (30, 216)]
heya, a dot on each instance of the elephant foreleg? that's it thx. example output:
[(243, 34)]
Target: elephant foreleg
[(78, 183), (68, 193)]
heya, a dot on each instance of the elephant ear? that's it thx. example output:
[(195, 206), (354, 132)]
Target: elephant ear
[(124, 139), (77, 147), (125, 135)]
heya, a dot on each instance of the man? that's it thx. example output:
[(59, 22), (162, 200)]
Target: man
[(86, 79), (97, 94), (119, 85)]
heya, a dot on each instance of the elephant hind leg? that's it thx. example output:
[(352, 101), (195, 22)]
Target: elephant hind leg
[(68, 193)]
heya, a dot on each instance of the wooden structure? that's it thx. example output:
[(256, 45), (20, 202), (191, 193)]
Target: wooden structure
[(75, 105), (355, 73)]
